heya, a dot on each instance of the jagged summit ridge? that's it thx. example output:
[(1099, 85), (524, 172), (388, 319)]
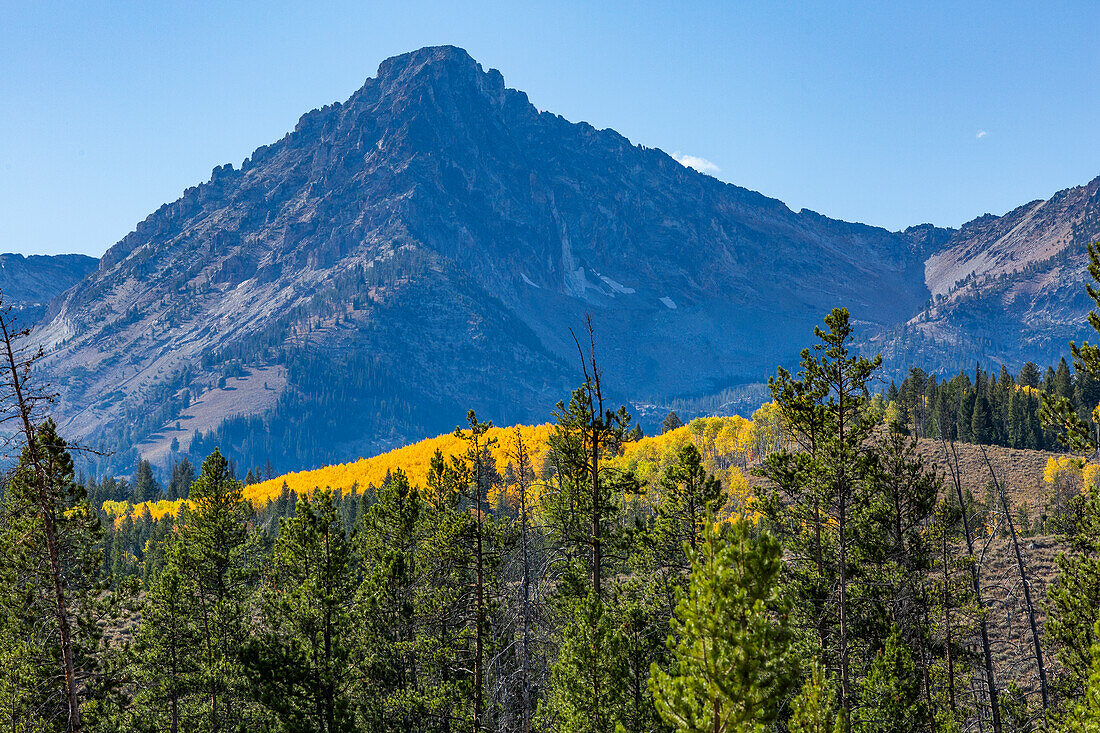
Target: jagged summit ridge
[(447, 66)]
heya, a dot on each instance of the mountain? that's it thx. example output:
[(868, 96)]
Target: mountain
[(428, 247), (1005, 289), (29, 283), (36, 279)]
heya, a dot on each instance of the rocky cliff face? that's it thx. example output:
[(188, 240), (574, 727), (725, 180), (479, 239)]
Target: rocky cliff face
[(29, 283)]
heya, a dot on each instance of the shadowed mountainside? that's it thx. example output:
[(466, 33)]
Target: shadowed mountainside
[(28, 283)]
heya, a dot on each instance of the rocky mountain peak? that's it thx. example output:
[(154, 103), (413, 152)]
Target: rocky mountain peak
[(440, 76), (425, 248)]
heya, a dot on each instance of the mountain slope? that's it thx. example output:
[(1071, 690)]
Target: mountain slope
[(425, 248), (28, 283), (1005, 288)]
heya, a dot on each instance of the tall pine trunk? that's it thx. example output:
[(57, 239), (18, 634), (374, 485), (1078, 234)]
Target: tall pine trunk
[(525, 690), (947, 630), (975, 576), (842, 539), (479, 641), (49, 527)]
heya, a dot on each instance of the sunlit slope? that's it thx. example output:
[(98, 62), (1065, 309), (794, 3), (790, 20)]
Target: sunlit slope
[(727, 444), (413, 459)]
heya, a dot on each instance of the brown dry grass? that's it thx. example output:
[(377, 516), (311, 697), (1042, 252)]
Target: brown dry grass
[(1020, 471), (1021, 474)]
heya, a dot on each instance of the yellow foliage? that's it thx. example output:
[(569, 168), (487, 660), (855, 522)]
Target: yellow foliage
[(413, 459), (356, 476), (647, 457), (1090, 476), (724, 442), (740, 494), (117, 508), (1063, 468), (769, 430), (156, 510)]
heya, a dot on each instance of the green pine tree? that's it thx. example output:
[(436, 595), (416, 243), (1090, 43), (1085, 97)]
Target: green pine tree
[(825, 498), (414, 642), (733, 659), (146, 487), (42, 489), (1084, 717), (588, 691), (891, 693), (689, 496), (301, 661), (814, 710), (1074, 595), (183, 475), (168, 664), (213, 561)]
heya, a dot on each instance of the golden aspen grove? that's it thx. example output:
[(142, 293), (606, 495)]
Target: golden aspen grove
[(729, 445)]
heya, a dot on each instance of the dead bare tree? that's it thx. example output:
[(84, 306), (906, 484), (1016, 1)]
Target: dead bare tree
[(597, 429), (948, 643), (1024, 581), (952, 460)]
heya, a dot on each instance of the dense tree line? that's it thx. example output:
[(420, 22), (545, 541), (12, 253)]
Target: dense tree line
[(848, 594), (992, 409)]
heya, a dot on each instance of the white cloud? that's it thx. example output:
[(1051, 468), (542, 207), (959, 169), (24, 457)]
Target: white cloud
[(693, 161), (981, 134)]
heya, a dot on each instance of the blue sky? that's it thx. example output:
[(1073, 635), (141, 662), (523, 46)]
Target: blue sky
[(888, 113)]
